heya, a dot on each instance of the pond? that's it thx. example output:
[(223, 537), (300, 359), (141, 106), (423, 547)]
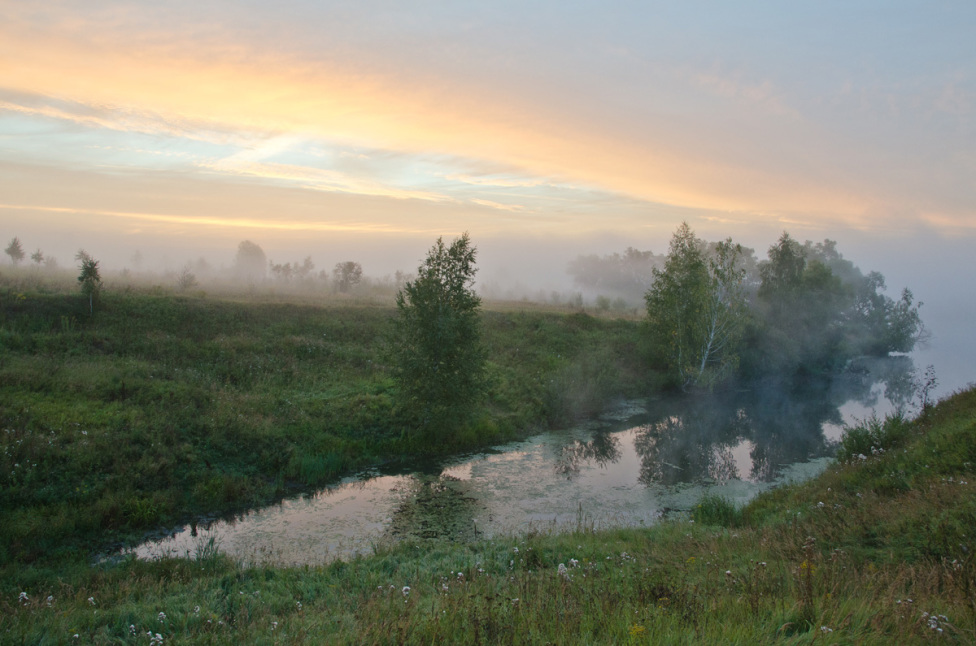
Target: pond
[(640, 461)]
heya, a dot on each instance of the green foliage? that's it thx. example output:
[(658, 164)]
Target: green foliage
[(15, 250), (831, 560), (347, 275), (437, 355), (815, 311), (696, 309), (91, 281), (873, 436), (716, 510), (174, 407)]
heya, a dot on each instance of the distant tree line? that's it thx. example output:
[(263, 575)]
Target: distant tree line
[(251, 264)]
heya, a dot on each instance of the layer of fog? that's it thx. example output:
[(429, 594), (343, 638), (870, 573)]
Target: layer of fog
[(936, 268)]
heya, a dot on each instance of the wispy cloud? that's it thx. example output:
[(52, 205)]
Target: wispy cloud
[(224, 222), (494, 180), (320, 179), (515, 208)]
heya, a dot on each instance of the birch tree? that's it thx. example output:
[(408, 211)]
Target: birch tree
[(696, 309)]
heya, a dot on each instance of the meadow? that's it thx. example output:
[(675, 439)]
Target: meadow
[(877, 550), (162, 406)]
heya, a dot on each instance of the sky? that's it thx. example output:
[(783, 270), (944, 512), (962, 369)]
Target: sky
[(364, 130)]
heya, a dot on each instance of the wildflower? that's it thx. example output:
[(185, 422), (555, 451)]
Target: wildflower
[(636, 631), (820, 505), (298, 604), (132, 629), (75, 636), (573, 563), (274, 625), (161, 616), (562, 571), (196, 610), (825, 629), (405, 590), (515, 549), (50, 600), (23, 598), (91, 601), (515, 601)]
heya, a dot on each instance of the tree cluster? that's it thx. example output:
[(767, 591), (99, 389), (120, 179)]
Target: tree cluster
[(714, 312), (625, 276)]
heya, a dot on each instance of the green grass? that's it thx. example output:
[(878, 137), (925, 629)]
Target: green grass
[(160, 407), (843, 558), (163, 406)]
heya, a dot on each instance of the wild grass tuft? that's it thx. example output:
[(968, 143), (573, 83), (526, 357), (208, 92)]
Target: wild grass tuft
[(716, 510)]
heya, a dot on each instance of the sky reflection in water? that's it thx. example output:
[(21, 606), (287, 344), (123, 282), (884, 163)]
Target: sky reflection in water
[(627, 468)]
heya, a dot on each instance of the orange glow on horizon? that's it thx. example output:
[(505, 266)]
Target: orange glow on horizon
[(201, 90)]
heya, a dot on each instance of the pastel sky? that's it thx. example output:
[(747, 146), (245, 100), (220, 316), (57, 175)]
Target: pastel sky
[(306, 124)]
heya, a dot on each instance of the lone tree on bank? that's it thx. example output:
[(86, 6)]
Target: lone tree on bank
[(437, 356)]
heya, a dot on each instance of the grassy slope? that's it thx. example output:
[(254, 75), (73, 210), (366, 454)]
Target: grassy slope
[(160, 406), (891, 533), (875, 551)]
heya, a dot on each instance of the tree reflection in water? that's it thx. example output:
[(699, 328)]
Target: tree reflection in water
[(749, 434), (697, 439), (602, 450), (435, 507)]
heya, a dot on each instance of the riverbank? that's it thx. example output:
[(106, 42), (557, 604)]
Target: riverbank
[(162, 407), (878, 549)]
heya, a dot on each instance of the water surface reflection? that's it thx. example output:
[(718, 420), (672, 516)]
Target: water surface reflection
[(624, 469)]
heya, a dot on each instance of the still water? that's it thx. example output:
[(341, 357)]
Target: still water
[(638, 462)]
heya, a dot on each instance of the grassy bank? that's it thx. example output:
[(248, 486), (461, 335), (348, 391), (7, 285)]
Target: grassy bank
[(877, 550), (162, 406)]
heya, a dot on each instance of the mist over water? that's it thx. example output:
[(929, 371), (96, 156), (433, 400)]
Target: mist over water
[(636, 463)]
